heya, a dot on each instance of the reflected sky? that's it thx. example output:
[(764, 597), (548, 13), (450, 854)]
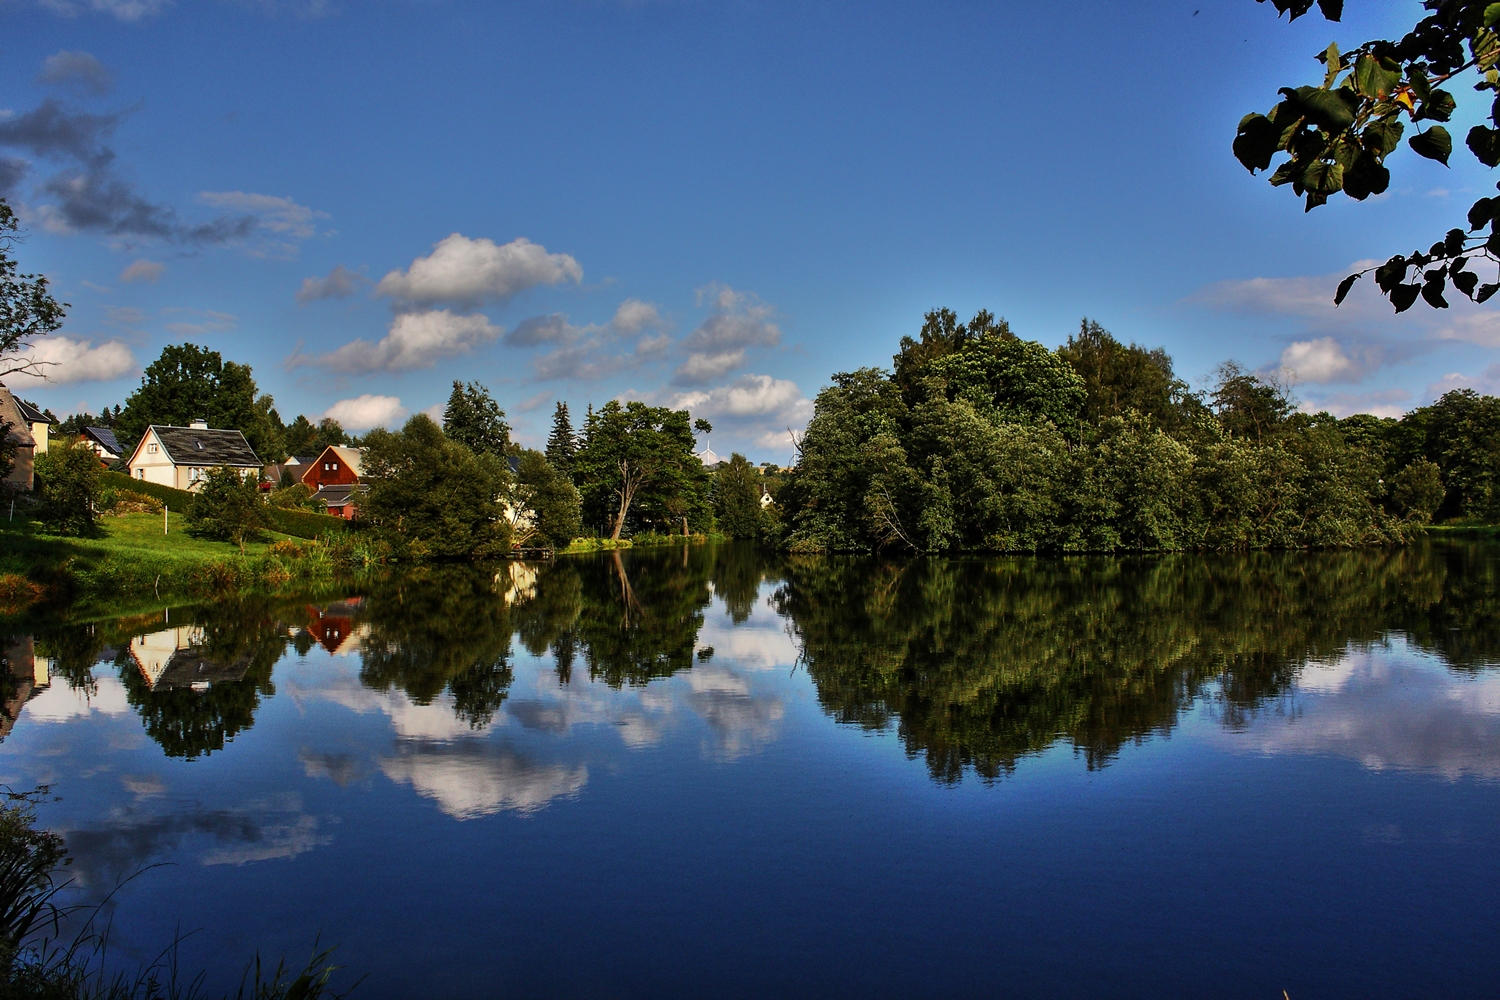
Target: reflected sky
[(743, 748)]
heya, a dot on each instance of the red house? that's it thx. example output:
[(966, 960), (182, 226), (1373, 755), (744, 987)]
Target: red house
[(333, 478)]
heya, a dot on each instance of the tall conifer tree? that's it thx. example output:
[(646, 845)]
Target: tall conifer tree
[(561, 444)]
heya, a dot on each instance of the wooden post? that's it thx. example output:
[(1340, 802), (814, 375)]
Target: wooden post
[(164, 509)]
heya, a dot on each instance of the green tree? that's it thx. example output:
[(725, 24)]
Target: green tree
[(27, 308), (1247, 405), (187, 383), (431, 497), (1337, 136), (227, 507), (638, 462), (1118, 379), (303, 437), (545, 504), (1417, 490), (562, 445), (736, 496), (475, 420), (68, 482)]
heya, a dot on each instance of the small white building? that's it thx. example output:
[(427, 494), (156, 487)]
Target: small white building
[(181, 456)]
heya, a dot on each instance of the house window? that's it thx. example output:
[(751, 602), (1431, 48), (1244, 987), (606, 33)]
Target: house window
[(194, 475), (140, 473), (152, 449), (325, 466), (335, 466)]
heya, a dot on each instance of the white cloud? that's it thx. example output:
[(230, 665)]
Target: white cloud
[(700, 367), (1481, 328), (149, 271), (469, 272), (717, 346), (1486, 383), (121, 10), (366, 411), (340, 283), (553, 329), (749, 396), (633, 316), (1302, 295), (436, 411), (1379, 403), (77, 71), (65, 359), (415, 340), (1321, 360), (287, 222)]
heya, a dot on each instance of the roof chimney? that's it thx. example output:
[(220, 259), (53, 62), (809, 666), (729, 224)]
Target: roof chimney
[(200, 424)]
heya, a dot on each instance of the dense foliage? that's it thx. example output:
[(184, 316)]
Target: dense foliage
[(986, 442), (475, 420), (431, 496), (545, 504), (69, 485), (1337, 135), (736, 499), (227, 507), (636, 467)]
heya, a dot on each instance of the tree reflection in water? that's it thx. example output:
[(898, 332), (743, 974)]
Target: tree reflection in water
[(980, 662), (976, 663)]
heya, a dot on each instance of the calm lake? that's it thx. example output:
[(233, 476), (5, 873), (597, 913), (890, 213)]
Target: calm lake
[(715, 772)]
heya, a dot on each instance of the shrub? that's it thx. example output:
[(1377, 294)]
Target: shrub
[(227, 508), (69, 484)]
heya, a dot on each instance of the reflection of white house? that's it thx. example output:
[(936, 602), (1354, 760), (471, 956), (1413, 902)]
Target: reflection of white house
[(181, 456), (153, 653), (765, 498), (517, 582)]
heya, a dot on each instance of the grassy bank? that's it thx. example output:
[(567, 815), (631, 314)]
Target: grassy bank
[(132, 563)]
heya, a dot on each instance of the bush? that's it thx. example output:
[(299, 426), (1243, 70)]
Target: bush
[(303, 523), (227, 508), (176, 500), (69, 483), (296, 497)]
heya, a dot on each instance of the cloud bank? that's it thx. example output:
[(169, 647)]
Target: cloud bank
[(471, 272)]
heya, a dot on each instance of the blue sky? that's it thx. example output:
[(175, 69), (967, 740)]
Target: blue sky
[(713, 205)]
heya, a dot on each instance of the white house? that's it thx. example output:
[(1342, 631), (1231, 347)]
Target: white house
[(181, 456)]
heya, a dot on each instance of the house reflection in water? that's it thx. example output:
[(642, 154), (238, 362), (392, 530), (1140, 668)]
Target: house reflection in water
[(176, 658), (334, 627), (29, 676)]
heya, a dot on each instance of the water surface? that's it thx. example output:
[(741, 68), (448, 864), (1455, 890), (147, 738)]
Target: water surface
[(708, 771)]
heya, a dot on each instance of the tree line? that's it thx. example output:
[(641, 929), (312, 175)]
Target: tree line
[(979, 440)]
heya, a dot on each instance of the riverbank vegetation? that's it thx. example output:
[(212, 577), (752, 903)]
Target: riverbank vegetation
[(978, 440), (129, 562)]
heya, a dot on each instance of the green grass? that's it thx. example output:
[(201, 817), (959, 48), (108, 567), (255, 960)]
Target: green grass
[(132, 563)]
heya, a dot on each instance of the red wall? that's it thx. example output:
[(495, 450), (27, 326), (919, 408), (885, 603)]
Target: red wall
[(317, 476)]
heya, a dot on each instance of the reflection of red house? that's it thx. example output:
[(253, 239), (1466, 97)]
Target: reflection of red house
[(333, 478), (333, 625)]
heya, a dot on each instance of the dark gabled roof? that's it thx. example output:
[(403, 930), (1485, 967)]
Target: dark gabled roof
[(198, 446), (104, 436), (31, 413), (338, 495)]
